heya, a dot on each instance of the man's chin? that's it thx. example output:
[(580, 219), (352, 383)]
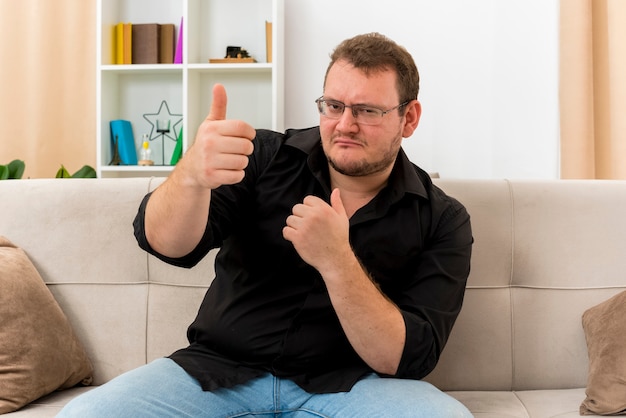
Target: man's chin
[(350, 168)]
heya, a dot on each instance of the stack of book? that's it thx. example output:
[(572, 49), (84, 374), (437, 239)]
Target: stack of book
[(145, 43)]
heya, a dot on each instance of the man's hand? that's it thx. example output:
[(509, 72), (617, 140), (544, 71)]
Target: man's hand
[(177, 212), (374, 325), (320, 232), (221, 149)]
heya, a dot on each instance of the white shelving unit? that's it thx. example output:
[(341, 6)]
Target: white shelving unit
[(255, 90)]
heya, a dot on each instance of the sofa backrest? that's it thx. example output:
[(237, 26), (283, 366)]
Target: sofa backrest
[(126, 307), (544, 252)]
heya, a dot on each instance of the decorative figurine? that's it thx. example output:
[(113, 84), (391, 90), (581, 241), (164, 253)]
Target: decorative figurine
[(116, 160), (236, 52), (145, 154)]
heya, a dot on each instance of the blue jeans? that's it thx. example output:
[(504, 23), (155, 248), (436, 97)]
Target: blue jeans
[(164, 389)]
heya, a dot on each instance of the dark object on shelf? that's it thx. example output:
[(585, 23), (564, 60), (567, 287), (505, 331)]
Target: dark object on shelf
[(236, 52), (234, 55), (116, 160)]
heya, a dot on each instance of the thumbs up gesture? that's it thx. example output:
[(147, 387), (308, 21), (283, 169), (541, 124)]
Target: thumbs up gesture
[(221, 148), (320, 232)]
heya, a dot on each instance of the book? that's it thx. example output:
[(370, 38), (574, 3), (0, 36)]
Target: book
[(119, 43), (123, 140), (123, 43), (166, 43), (178, 56), (145, 43), (268, 41), (178, 149)]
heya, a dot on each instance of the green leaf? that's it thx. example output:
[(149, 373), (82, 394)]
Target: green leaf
[(86, 172), (62, 173), (16, 169), (13, 170)]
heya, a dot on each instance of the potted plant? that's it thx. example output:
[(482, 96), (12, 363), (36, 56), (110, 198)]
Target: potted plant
[(15, 170)]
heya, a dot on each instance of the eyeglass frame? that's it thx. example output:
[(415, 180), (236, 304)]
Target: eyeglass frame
[(382, 113)]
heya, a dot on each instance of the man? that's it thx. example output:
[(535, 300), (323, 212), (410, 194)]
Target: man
[(341, 269)]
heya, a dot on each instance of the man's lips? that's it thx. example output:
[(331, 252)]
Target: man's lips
[(347, 142)]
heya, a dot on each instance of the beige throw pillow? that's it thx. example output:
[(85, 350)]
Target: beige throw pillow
[(605, 331), (39, 352)]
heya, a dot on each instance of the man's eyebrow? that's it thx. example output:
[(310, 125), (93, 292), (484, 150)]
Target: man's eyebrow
[(330, 99)]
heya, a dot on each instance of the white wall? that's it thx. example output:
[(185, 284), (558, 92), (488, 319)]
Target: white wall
[(489, 77)]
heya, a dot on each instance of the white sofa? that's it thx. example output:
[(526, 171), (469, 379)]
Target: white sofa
[(544, 252)]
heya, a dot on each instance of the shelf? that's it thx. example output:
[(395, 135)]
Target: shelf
[(138, 168), (108, 171), (256, 67), (143, 68), (178, 68), (128, 92)]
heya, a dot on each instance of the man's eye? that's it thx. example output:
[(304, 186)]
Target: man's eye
[(367, 111), (334, 107)]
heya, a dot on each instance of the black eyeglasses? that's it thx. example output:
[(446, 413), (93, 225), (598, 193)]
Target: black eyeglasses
[(366, 115)]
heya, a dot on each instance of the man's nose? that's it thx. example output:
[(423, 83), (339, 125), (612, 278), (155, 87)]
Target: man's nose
[(347, 119)]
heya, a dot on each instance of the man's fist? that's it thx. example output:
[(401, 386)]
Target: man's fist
[(221, 149)]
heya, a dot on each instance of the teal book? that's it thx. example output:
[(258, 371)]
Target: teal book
[(122, 138)]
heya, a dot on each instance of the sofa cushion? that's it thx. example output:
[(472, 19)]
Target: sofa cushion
[(560, 403), (605, 331), (39, 352)]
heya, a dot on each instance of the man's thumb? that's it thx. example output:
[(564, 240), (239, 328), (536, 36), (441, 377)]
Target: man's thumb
[(337, 203), (218, 106)]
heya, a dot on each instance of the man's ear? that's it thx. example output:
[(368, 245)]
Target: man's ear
[(412, 116)]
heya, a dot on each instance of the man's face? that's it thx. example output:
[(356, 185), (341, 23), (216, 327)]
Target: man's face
[(356, 149)]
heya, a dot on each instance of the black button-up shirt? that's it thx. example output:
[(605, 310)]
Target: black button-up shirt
[(269, 311)]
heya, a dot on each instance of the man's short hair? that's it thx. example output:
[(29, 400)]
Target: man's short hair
[(373, 52)]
